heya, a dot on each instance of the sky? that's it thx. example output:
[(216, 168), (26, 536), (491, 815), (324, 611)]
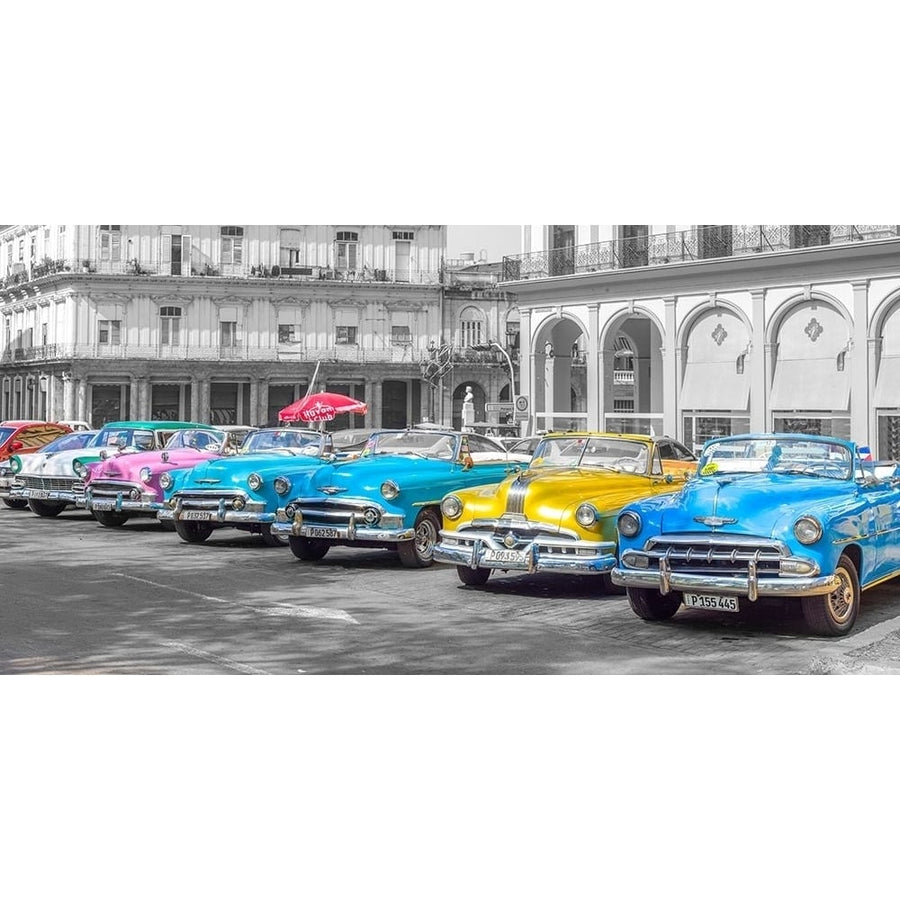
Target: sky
[(496, 240)]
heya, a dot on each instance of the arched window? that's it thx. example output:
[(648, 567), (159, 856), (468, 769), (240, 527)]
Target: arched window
[(471, 327)]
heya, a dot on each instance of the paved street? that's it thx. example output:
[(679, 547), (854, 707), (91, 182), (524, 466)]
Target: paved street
[(79, 598)]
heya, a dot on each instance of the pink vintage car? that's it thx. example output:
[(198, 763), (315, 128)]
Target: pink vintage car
[(127, 484)]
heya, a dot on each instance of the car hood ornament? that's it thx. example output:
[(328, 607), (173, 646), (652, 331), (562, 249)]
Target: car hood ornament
[(714, 521), (332, 490)]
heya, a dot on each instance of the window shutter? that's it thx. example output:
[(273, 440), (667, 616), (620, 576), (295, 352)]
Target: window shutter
[(186, 254)]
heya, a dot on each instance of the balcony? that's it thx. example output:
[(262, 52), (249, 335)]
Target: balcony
[(713, 242), (22, 274), (289, 353)]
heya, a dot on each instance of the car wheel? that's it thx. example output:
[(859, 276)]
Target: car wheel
[(835, 613), (15, 504), (308, 549), (110, 519), (193, 532), (273, 538), (605, 584), (475, 577), (45, 509), (651, 605), (419, 552)]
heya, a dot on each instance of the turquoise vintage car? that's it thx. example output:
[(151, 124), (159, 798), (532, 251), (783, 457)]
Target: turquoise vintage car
[(391, 496), (769, 515), (245, 490)]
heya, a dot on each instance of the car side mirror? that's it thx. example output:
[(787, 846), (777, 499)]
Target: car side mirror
[(15, 446)]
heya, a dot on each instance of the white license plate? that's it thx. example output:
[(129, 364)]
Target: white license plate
[(711, 601), (202, 515), (102, 504), (316, 531), (36, 494), (505, 556)]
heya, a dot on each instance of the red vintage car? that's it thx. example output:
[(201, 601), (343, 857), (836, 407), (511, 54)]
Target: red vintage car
[(19, 436)]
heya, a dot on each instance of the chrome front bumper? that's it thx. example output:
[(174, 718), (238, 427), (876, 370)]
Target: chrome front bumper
[(146, 505), (219, 512), (390, 530), (751, 586), (545, 553), (41, 494)]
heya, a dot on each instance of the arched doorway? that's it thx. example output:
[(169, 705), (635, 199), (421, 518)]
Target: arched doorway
[(811, 383), (715, 386), (632, 375), (560, 376)]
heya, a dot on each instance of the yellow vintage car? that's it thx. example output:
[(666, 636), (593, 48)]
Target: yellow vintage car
[(559, 514)]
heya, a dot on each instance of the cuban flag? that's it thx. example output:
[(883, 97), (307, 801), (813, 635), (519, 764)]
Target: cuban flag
[(865, 454)]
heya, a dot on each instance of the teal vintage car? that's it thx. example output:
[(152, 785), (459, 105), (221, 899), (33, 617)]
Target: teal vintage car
[(390, 497), (806, 518), (245, 490)]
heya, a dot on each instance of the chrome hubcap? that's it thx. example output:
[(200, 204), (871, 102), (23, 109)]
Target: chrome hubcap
[(426, 537), (840, 600)]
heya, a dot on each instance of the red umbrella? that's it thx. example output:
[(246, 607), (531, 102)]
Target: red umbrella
[(321, 407)]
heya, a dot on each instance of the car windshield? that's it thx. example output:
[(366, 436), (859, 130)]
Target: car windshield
[(618, 454), (783, 455), (125, 437), (74, 441), (430, 444), (307, 442), (5, 433), (199, 439)]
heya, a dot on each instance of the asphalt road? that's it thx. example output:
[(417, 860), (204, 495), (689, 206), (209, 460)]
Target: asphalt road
[(79, 598)]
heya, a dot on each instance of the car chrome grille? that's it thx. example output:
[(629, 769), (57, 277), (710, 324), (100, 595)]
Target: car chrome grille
[(722, 554), (207, 499), (112, 488), (46, 483), (333, 512)]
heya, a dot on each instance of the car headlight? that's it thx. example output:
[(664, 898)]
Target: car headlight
[(586, 515), (80, 468), (629, 524), (16, 465), (254, 481), (281, 484), (144, 474), (389, 490), (807, 529), (166, 481), (451, 507)]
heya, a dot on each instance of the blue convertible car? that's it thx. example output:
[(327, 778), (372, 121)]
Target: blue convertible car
[(390, 497), (243, 491), (770, 515)]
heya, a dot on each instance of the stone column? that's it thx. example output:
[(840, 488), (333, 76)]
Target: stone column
[(526, 365), (134, 400), (760, 362), (370, 395), (594, 373), (671, 374), (195, 400), (81, 412), (862, 416), (254, 403), (68, 411), (262, 402)]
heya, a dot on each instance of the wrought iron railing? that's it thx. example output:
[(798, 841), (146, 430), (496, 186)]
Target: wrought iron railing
[(22, 273), (297, 352), (705, 242)]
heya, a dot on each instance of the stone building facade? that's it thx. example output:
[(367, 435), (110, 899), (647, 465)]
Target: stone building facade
[(698, 331), (230, 323)]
